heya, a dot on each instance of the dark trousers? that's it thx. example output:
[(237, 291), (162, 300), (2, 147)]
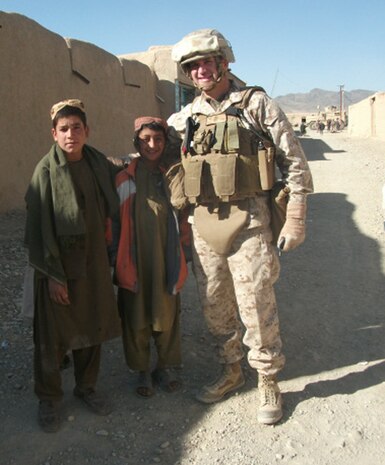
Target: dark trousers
[(47, 370), (137, 345)]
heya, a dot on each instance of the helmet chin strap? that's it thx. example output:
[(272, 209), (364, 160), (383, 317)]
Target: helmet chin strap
[(221, 73), (207, 87)]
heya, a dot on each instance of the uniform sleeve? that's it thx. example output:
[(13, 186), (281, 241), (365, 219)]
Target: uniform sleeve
[(177, 128), (268, 117), (177, 121)]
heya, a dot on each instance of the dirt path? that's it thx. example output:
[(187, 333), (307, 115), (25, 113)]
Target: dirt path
[(331, 301)]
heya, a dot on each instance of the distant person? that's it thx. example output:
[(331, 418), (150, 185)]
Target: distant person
[(150, 263), (321, 127), (69, 201), (302, 128)]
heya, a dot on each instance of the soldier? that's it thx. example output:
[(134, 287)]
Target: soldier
[(231, 137)]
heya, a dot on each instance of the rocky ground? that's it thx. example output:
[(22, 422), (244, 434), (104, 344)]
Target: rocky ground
[(331, 300)]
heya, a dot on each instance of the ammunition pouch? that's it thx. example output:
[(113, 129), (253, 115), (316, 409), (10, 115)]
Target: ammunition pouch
[(223, 159), (279, 197), (223, 173), (218, 177), (174, 178), (193, 174), (266, 167)]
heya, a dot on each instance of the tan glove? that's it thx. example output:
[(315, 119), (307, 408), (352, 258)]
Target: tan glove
[(293, 231)]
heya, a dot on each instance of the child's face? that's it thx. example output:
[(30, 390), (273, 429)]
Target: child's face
[(151, 144), (71, 135)]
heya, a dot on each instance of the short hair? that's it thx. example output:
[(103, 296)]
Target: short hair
[(155, 127), (69, 111)]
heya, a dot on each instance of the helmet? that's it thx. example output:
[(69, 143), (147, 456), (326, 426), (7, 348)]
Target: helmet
[(200, 44)]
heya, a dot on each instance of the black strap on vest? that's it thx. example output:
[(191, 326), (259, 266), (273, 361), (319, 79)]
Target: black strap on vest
[(240, 107)]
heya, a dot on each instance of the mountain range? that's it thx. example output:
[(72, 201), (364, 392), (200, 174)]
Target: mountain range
[(318, 98)]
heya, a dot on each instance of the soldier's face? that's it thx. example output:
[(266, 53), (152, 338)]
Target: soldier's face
[(204, 73)]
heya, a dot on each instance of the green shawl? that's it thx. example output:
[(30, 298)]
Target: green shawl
[(53, 214)]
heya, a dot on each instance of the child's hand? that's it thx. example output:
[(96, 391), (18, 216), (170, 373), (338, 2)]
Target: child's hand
[(58, 292)]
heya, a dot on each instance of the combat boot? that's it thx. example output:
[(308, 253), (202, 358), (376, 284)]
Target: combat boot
[(270, 408), (231, 379)]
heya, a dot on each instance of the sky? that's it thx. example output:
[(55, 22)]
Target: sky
[(285, 46)]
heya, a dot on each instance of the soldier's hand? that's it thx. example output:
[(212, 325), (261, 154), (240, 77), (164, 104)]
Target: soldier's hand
[(293, 231)]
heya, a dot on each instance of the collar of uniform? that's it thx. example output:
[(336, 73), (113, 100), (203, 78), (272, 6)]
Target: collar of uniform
[(203, 106), (236, 94)]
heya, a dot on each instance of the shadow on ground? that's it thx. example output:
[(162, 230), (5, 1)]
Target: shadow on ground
[(315, 149)]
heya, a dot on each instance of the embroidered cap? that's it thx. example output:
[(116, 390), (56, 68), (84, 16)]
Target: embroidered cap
[(72, 102), (139, 122)]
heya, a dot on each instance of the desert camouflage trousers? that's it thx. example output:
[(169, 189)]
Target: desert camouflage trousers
[(239, 286)]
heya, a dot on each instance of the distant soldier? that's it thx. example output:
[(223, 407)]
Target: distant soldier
[(302, 128)]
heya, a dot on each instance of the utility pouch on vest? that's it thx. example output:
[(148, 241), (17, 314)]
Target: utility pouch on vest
[(266, 167), (223, 174), (248, 178), (279, 196), (174, 178), (192, 181), (220, 228)]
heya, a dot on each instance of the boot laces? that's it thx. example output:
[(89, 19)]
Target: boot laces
[(268, 389)]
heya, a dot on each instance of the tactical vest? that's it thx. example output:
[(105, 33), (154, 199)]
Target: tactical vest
[(224, 159)]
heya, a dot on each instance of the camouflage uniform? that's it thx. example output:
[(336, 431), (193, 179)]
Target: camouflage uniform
[(242, 280)]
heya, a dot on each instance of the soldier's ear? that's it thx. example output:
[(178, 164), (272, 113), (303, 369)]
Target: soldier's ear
[(224, 64)]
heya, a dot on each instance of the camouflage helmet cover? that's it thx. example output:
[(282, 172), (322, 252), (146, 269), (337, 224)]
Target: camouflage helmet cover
[(200, 44)]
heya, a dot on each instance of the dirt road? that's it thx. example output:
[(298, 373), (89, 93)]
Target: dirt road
[(331, 301)]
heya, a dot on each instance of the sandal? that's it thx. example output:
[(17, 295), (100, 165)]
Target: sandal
[(144, 387), (96, 402), (65, 363), (167, 379), (49, 416)]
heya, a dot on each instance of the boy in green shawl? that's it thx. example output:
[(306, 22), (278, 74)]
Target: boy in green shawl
[(69, 202)]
